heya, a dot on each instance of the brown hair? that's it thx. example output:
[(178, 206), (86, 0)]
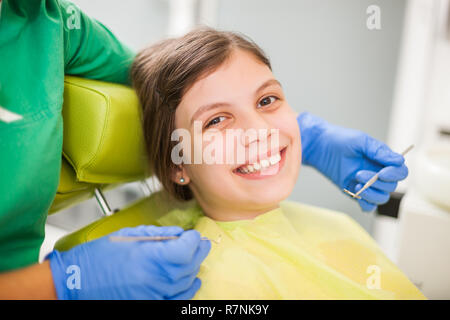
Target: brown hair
[(162, 73)]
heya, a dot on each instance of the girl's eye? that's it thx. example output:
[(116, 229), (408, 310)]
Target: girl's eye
[(267, 100), (215, 121)]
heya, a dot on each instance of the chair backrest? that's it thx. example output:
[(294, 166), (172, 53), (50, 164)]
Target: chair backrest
[(103, 143)]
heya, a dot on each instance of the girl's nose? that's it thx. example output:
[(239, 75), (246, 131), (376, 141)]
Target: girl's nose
[(250, 136), (256, 133)]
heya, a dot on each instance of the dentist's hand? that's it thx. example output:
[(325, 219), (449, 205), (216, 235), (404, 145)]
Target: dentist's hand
[(349, 158), (131, 270)]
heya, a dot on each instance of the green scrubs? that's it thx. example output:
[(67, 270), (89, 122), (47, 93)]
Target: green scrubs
[(40, 41)]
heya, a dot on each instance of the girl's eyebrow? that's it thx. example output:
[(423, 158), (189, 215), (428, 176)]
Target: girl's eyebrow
[(215, 105)]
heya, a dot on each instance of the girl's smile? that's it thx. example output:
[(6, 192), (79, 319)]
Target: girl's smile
[(266, 167)]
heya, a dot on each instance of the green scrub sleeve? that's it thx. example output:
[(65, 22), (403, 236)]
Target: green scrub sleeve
[(91, 50), (40, 41)]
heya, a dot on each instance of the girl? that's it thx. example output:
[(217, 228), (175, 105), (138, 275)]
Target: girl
[(209, 83)]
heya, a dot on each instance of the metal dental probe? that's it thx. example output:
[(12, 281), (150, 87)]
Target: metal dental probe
[(373, 179), (150, 238)]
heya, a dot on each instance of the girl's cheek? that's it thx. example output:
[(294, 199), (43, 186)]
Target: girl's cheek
[(214, 149), (224, 149), (286, 124), (288, 121)]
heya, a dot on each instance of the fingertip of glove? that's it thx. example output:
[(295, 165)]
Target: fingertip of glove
[(394, 173), (384, 155), (394, 158), (363, 176), (197, 284), (183, 249), (173, 230), (366, 206), (205, 246), (192, 235)]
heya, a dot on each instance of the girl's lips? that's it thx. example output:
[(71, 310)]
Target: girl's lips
[(266, 172)]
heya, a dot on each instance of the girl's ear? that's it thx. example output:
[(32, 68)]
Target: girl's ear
[(179, 176)]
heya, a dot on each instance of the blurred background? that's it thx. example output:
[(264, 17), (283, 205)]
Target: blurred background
[(380, 66)]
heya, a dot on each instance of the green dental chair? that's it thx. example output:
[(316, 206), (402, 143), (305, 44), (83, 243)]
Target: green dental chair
[(102, 148)]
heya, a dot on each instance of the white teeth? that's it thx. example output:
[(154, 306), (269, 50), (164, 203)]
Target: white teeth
[(264, 163), (275, 159)]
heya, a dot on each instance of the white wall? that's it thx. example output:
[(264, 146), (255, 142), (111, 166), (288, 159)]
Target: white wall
[(421, 105), (135, 22)]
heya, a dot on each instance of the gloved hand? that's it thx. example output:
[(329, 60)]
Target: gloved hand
[(349, 158), (132, 270)]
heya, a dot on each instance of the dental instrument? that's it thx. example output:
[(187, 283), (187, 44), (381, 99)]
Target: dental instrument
[(373, 179), (151, 238)]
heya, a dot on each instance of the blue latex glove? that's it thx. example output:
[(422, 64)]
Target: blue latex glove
[(349, 158), (132, 270)]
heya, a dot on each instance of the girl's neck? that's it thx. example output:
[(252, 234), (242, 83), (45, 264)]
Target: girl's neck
[(232, 214)]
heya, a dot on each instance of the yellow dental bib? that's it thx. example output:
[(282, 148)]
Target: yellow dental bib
[(296, 251)]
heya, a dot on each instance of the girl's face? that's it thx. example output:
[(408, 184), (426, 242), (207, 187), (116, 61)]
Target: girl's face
[(242, 113)]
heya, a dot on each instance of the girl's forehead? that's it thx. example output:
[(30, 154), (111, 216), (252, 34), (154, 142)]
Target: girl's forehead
[(241, 66), (238, 76)]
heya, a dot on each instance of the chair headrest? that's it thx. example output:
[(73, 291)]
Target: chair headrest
[(103, 138)]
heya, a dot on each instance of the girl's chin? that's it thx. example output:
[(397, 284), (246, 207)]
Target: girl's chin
[(264, 198), (263, 192)]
